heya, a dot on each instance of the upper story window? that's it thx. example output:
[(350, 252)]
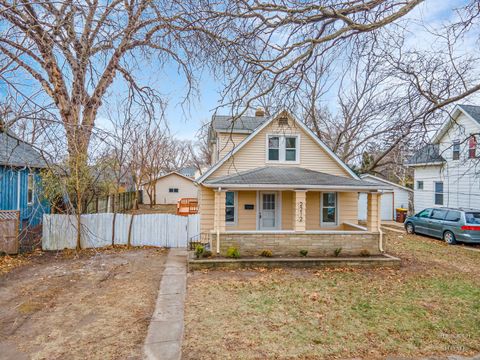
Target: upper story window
[(173, 190), (283, 148), (419, 185), (472, 147), (456, 150), (30, 189)]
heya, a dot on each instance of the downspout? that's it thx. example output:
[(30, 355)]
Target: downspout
[(217, 205), (379, 225)]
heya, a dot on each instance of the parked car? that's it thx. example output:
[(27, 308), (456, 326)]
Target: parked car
[(451, 225)]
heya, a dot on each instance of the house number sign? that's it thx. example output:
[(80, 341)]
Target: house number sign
[(300, 211)]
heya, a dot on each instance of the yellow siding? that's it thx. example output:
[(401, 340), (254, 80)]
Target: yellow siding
[(253, 154), (227, 141), (206, 208), (287, 210), (348, 206), (246, 219), (313, 210)]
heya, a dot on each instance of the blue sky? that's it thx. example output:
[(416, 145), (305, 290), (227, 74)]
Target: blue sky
[(184, 124)]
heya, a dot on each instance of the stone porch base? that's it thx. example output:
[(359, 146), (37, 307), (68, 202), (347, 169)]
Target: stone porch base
[(289, 244)]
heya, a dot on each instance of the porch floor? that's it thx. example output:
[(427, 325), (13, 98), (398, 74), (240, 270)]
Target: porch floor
[(376, 261)]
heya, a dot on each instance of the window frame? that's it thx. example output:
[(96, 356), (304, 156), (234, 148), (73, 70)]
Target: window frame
[(329, 224), (418, 185), (472, 147), (282, 149), (235, 208), (456, 150), (172, 190), (31, 176), (435, 192)]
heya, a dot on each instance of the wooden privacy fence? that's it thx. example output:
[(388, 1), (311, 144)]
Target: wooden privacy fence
[(163, 230), (9, 225)]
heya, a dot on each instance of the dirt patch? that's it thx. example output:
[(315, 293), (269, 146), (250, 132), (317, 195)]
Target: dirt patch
[(94, 305)]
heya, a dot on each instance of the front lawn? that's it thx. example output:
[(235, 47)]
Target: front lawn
[(430, 306)]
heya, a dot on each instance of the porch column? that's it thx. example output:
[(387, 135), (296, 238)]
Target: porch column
[(373, 211), (219, 215), (300, 206)]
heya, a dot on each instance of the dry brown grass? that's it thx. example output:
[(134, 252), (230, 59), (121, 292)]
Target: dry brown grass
[(431, 306)]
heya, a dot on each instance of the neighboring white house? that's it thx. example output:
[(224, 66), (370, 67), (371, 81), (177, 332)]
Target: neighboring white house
[(171, 187), (396, 197), (447, 171)]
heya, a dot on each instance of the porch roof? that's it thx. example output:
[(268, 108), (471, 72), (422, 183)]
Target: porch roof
[(290, 177)]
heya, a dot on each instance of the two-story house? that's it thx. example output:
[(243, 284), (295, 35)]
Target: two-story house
[(274, 185), (447, 171)]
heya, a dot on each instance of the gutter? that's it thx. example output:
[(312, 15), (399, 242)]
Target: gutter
[(372, 188)]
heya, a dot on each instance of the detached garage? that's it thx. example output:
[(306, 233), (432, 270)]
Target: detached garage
[(396, 197)]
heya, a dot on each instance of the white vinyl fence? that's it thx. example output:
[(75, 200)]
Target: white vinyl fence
[(165, 230)]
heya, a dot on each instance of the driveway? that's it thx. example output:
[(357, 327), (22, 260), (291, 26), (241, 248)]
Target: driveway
[(95, 306)]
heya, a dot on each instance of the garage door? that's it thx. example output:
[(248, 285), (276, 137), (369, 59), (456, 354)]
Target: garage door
[(387, 206)]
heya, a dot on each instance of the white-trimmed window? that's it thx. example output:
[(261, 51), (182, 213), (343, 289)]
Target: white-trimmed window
[(30, 189), (173, 190), (328, 211), (438, 192), (472, 147), (230, 207), (456, 150), (419, 185), (283, 148)]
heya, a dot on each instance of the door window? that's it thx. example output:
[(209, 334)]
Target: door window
[(453, 216), (424, 213), (268, 211), (438, 214)]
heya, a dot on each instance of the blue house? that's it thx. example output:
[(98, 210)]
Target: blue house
[(20, 181)]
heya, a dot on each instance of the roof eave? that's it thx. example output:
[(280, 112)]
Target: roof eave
[(435, 163), (299, 186)]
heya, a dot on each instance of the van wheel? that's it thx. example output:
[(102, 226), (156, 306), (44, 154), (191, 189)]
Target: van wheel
[(410, 228), (449, 238)]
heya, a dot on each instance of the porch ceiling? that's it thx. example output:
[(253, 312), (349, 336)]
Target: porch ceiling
[(290, 177)]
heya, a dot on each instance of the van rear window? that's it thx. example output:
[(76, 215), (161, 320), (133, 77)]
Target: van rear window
[(472, 217)]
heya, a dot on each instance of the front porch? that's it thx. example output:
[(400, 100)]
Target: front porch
[(286, 221)]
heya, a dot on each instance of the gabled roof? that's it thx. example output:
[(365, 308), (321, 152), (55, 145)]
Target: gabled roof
[(290, 177), (168, 174), (264, 125), (373, 177), (244, 124), (428, 155), (472, 112), (15, 152)]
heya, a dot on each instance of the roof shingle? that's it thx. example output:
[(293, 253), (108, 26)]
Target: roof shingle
[(15, 152), (426, 155), (242, 123), (294, 176)]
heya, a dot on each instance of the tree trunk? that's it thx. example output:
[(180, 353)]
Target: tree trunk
[(129, 239)]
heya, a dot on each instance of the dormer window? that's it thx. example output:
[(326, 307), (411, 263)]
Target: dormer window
[(283, 148)]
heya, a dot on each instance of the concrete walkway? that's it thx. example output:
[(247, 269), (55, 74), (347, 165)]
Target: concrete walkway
[(165, 332)]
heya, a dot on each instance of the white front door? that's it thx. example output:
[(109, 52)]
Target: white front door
[(268, 211)]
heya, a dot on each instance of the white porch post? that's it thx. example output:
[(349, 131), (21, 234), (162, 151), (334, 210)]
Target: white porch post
[(300, 206), (373, 211), (219, 215)]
